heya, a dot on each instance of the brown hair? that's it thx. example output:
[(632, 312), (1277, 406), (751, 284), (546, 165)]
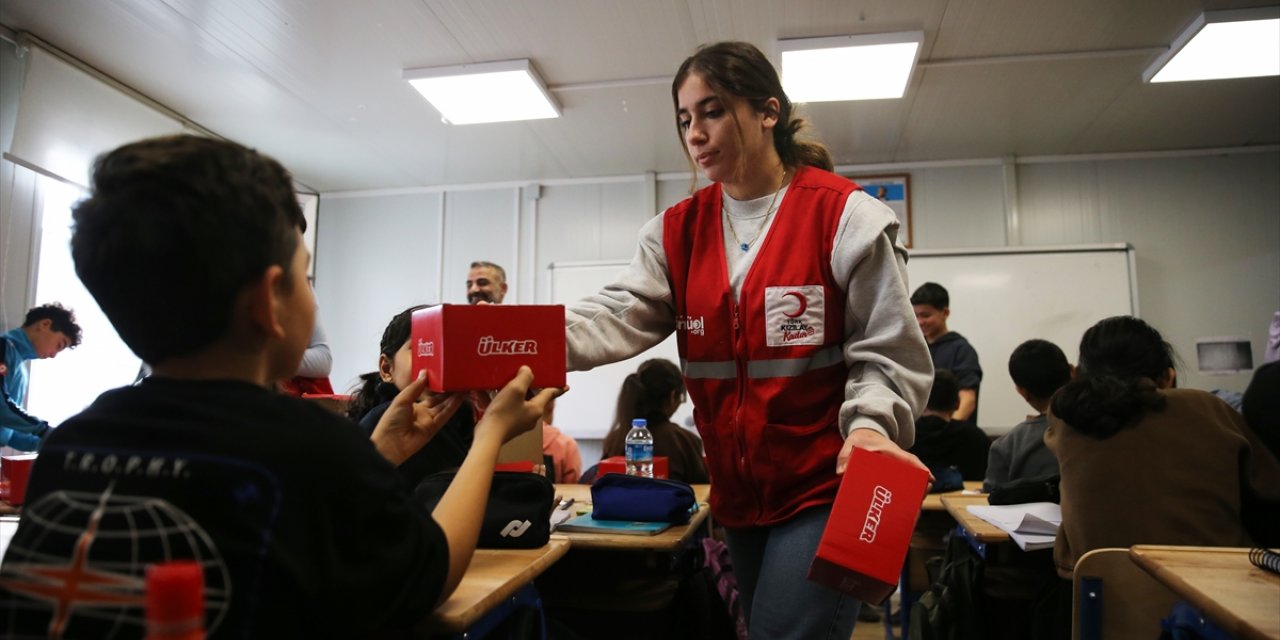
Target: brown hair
[(644, 394), (739, 71)]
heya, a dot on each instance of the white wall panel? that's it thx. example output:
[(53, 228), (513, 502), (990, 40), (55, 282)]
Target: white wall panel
[(1206, 231), (19, 227), (66, 118), (1059, 203), (587, 222), (374, 257), (17, 191), (671, 192), (957, 207), (480, 225)]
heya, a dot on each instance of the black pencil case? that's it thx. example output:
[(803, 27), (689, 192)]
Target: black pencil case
[(517, 514)]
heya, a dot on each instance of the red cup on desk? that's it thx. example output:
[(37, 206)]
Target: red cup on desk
[(16, 470)]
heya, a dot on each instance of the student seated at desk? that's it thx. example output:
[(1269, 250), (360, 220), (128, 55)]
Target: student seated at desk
[(193, 249), (1261, 405), (1038, 369), (561, 448), (1143, 462), (45, 332), (449, 447), (654, 392), (943, 442)]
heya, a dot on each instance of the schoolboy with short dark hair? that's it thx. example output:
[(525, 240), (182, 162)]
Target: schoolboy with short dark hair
[(949, 349), (1038, 369), (303, 527), (942, 442), (47, 330)]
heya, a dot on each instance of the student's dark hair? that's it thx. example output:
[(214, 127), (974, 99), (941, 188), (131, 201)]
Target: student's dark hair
[(739, 71), (371, 391), (172, 232), (1120, 359), (644, 394), (1260, 405), (61, 319), (502, 273), (1040, 367), (932, 294), (945, 393)]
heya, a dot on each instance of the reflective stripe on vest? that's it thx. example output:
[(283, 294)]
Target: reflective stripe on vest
[(718, 370), (775, 368)]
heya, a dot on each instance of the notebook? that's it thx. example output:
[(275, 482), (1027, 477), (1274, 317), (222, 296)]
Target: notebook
[(586, 524)]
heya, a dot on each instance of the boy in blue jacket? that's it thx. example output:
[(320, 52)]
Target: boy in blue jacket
[(45, 332)]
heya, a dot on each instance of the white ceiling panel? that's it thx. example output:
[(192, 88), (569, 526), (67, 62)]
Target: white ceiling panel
[(317, 83)]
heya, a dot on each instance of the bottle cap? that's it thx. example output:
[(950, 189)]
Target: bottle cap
[(175, 598), (640, 422)]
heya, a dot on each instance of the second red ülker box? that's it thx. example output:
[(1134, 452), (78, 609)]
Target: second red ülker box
[(865, 543)]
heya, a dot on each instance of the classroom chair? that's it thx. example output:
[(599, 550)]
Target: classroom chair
[(1115, 599)]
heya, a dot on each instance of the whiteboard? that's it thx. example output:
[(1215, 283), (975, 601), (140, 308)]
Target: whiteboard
[(999, 298), (1003, 297)]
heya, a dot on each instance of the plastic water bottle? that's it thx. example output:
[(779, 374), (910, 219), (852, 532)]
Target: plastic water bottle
[(639, 449)]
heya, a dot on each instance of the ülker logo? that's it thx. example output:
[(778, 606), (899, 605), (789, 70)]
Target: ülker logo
[(490, 347), (879, 498)]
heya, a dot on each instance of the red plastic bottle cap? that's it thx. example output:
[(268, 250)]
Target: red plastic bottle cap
[(175, 600)]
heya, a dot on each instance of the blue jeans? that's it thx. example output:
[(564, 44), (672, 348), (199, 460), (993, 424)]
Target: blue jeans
[(771, 565)]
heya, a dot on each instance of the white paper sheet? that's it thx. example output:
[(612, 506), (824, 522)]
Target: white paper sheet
[(1031, 526)]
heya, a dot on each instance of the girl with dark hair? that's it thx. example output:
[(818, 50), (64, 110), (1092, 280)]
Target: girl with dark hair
[(654, 392), (786, 288), (449, 447), (1143, 462)]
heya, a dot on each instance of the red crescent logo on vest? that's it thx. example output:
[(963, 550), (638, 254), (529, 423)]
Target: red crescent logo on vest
[(804, 304)]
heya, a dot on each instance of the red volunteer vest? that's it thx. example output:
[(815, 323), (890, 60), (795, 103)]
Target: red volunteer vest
[(766, 373)]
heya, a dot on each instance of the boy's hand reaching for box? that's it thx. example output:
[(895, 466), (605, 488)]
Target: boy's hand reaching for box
[(413, 418)]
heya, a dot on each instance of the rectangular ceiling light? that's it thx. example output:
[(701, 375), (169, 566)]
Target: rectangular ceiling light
[(485, 92), (862, 67), (1238, 43)]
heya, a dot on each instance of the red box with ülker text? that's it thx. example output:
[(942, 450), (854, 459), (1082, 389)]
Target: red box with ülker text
[(481, 347), (865, 543)]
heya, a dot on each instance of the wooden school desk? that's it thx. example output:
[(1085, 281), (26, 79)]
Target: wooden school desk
[(497, 582), (1219, 582), (669, 541), (979, 532), (933, 501), (626, 584)]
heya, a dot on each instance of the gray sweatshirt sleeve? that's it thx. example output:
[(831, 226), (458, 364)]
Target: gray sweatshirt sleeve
[(317, 361), (890, 371), (628, 316)]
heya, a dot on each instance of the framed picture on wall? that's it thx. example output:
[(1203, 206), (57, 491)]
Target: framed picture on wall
[(895, 191)]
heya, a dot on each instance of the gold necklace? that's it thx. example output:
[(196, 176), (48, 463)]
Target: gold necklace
[(746, 246)]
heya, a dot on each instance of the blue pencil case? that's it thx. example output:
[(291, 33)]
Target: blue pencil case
[(620, 497)]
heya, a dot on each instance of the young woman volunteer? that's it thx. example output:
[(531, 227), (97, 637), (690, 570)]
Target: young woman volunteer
[(786, 287)]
